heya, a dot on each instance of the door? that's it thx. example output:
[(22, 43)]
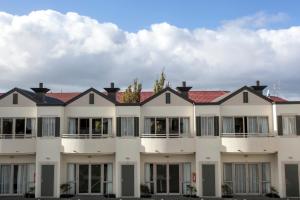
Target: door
[(208, 180), (47, 180), (95, 178), (174, 178), (291, 180), (161, 179), (240, 179), (127, 180), (83, 179)]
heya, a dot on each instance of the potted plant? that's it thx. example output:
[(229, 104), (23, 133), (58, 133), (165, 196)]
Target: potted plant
[(191, 192), (227, 191), (109, 195), (273, 193), (65, 189), (30, 193), (145, 191)]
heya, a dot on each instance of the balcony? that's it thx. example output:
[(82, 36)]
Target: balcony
[(86, 136), (247, 135), (164, 135), (16, 136), (15, 144)]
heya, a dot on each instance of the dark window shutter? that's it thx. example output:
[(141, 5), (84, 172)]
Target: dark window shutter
[(39, 126), (57, 126), (136, 127), (245, 97), (246, 124), (118, 126), (15, 98), (216, 125), (279, 125), (198, 126), (92, 98), (168, 98), (298, 124)]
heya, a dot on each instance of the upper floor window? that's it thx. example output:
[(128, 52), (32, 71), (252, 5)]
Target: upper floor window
[(289, 125), (249, 125), (207, 125), (166, 126), (168, 98), (127, 126), (95, 127), (48, 127), (245, 97), (15, 98), (92, 98), (17, 127)]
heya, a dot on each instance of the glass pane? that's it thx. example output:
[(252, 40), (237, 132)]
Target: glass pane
[(7, 125), (84, 126), (227, 172), (252, 125), (73, 126), (240, 178), (161, 179), (96, 178), (71, 177), (107, 126), (174, 178), (5, 179), (108, 175), (289, 125), (83, 178), (161, 126), (184, 125), (29, 125), (15, 177), (238, 125), (97, 126), (262, 123), (48, 126), (174, 125), (253, 178), (228, 125), (186, 177), (20, 126)]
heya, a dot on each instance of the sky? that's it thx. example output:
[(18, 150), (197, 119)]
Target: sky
[(213, 44)]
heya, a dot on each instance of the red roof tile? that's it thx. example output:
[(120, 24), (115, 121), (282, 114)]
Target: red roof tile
[(205, 96), (277, 99), (63, 96)]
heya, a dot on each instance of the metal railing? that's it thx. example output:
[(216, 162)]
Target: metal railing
[(169, 135), (86, 136), (247, 135), (16, 136)]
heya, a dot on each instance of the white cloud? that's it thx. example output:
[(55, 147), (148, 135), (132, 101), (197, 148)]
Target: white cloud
[(73, 52)]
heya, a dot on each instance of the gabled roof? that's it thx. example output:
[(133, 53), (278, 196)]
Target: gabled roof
[(63, 96), (48, 101), (164, 90), (88, 91), (229, 96)]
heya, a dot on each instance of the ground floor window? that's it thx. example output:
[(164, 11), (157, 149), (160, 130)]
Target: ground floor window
[(16, 178), (250, 178), (90, 178), (171, 178)]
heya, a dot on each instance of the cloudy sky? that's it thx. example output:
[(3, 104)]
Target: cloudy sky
[(71, 47)]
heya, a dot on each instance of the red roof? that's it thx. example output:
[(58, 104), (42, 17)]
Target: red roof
[(63, 96), (205, 96), (277, 99)]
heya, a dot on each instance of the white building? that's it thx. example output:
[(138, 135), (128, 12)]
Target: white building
[(170, 140)]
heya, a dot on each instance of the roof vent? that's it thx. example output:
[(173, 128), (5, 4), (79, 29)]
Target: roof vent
[(111, 91), (258, 88), (41, 91), (184, 89)]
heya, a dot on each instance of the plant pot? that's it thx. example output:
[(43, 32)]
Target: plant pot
[(227, 196), (29, 195), (66, 195), (272, 195), (146, 195), (110, 196)]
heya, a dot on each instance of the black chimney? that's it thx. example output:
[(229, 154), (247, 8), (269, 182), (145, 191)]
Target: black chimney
[(112, 91), (258, 88), (184, 89), (41, 91)]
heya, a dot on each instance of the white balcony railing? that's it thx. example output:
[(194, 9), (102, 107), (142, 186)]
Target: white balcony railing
[(16, 136), (169, 135), (246, 135), (86, 136)]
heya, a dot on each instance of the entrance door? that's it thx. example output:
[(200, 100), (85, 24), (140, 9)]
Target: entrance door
[(161, 179), (174, 178), (47, 180), (291, 180), (208, 180), (95, 178), (240, 179), (83, 178), (127, 172)]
